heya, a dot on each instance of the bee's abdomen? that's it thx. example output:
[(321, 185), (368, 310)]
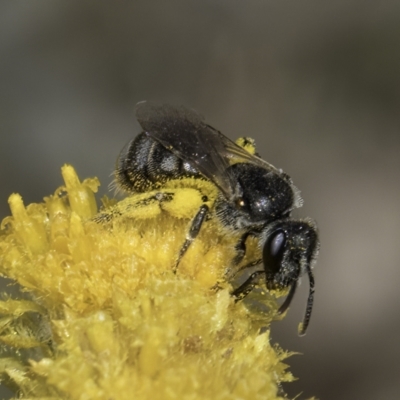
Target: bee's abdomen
[(146, 164)]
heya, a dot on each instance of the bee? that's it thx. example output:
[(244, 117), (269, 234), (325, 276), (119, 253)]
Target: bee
[(246, 195)]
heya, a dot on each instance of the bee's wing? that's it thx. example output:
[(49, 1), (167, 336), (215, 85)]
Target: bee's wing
[(184, 132)]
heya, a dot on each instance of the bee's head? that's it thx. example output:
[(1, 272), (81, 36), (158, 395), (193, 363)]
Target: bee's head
[(289, 249)]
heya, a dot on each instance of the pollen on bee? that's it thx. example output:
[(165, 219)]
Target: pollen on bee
[(247, 143)]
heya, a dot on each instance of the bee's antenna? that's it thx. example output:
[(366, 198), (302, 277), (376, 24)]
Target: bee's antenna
[(304, 325), (288, 299)]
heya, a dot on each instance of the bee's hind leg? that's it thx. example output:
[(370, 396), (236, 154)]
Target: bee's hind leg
[(192, 233)]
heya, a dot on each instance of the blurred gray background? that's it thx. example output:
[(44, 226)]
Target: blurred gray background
[(317, 84)]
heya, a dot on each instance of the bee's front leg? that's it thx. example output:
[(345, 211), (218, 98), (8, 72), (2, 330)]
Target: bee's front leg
[(240, 249), (245, 288)]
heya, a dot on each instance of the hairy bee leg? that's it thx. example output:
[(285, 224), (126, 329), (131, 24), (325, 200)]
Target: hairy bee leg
[(240, 248), (245, 288), (230, 275), (192, 234), (116, 211)]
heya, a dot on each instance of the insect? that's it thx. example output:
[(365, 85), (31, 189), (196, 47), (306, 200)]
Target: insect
[(251, 198)]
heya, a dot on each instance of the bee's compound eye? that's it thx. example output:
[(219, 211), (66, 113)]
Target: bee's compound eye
[(273, 252)]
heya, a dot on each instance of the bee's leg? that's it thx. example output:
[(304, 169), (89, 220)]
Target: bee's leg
[(193, 232), (245, 288), (240, 248), (132, 210)]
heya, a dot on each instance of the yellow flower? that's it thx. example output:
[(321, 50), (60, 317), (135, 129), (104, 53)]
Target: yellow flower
[(102, 316)]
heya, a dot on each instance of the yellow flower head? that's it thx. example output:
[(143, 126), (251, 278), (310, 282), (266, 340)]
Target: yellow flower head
[(102, 315)]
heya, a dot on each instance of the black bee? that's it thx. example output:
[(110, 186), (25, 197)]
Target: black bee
[(253, 198)]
